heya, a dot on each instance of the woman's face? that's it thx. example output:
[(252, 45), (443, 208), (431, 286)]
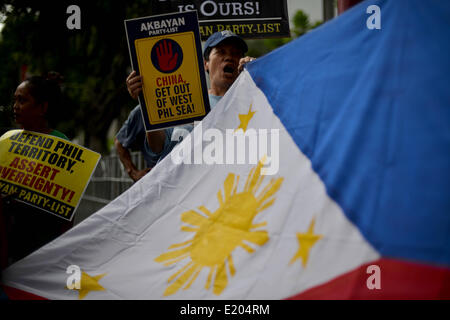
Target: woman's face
[(26, 110)]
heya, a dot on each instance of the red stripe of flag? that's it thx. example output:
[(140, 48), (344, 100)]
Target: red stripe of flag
[(17, 294), (399, 280)]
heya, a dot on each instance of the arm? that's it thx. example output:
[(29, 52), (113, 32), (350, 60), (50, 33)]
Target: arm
[(125, 158), (155, 139)]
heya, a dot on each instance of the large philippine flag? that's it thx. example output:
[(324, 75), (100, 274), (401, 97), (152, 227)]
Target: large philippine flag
[(348, 198)]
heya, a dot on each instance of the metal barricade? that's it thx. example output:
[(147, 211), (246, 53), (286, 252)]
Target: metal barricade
[(107, 183)]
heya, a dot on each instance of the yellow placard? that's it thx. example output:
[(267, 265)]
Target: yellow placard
[(45, 171), (170, 96)]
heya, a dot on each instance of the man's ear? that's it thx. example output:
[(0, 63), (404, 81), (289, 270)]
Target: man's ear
[(206, 64)]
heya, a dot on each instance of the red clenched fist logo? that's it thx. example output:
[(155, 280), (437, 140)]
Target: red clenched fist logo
[(167, 55)]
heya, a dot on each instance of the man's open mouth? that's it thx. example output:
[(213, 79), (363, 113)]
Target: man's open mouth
[(228, 69)]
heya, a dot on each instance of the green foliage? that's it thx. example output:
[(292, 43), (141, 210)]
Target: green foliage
[(94, 61), (302, 25)]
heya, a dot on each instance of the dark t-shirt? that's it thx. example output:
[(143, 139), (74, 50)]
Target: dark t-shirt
[(29, 228)]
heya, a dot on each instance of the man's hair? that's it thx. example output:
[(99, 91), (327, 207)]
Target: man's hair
[(206, 53), (46, 89)]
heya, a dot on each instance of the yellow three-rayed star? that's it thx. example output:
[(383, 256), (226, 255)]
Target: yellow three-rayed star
[(245, 119), (89, 284), (306, 242)]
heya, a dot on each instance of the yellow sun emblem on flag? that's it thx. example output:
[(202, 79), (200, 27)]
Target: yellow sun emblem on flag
[(218, 234)]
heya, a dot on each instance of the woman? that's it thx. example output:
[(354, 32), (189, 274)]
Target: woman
[(29, 228), (32, 101)]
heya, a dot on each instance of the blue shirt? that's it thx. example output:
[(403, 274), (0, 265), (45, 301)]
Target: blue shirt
[(133, 133)]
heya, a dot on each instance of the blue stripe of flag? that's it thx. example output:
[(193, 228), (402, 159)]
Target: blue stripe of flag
[(371, 110)]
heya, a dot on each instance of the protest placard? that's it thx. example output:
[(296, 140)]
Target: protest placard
[(45, 171), (248, 19), (166, 51)]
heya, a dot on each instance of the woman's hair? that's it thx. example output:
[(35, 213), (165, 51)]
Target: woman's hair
[(46, 89)]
